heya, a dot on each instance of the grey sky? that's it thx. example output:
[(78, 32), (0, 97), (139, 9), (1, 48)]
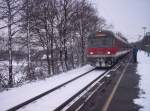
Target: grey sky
[(127, 16)]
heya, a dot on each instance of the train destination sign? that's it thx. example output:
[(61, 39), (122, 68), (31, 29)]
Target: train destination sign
[(100, 34)]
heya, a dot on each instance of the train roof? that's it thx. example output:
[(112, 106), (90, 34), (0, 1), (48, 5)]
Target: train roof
[(101, 33), (109, 33), (121, 38)]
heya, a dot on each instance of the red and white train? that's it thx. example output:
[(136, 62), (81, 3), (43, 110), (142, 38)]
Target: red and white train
[(105, 48)]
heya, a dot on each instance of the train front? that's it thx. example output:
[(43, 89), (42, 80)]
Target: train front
[(100, 50)]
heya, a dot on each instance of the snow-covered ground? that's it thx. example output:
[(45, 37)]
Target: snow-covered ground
[(55, 99), (143, 69), (18, 67), (18, 95)]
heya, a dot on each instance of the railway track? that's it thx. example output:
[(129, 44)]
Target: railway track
[(84, 94), (47, 92), (77, 102)]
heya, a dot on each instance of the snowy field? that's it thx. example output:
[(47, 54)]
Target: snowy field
[(143, 69), (18, 95)]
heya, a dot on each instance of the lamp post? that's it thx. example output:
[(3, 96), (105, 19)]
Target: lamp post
[(144, 28)]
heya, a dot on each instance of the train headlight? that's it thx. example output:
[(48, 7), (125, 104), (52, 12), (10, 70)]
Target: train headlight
[(91, 53), (108, 52)]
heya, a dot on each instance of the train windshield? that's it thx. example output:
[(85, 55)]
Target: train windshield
[(100, 42)]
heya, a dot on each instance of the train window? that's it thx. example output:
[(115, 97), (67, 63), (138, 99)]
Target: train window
[(100, 42)]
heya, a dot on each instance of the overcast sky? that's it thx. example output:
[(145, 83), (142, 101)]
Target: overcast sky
[(127, 16)]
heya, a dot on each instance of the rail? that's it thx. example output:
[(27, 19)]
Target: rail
[(47, 92)]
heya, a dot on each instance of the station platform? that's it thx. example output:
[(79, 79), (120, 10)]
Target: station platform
[(133, 93), (127, 96), (127, 91)]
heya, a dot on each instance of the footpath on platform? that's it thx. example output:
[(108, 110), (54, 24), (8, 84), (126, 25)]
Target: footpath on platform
[(133, 92)]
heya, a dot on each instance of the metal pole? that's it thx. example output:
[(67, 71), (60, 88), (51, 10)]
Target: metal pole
[(144, 28)]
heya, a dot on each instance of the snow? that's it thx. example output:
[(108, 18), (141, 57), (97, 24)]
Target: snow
[(17, 69), (144, 85), (53, 100), (18, 95), (44, 56)]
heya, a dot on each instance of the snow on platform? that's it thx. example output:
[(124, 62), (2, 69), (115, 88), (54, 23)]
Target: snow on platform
[(143, 69), (20, 94)]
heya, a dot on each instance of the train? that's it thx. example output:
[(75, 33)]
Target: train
[(104, 48)]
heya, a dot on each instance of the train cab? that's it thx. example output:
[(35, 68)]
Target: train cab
[(104, 48)]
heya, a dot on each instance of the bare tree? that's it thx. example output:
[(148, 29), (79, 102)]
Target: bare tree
[(25, 28), (9, 10), (43, 22), (28, 39), (85, 22)]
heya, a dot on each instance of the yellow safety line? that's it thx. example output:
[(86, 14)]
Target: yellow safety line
[(114, 90)]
